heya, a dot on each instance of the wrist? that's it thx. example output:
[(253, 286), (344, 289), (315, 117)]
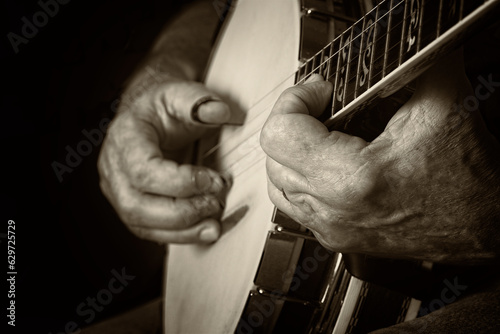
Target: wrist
[(154, 72)]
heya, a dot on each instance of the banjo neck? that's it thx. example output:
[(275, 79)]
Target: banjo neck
[(389, 47)]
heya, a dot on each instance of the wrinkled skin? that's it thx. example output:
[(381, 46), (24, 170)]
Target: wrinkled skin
[(141, 166), (426, 188)]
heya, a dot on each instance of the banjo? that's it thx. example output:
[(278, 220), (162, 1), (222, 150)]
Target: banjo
[(266, 273)]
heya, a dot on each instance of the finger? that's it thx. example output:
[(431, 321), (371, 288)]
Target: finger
[(285, 178), (329, 236), (290, 209), (193, 103), (297, 140), (311, 98), (165, 177), (206, 231), (142, 162), (159, 212), (146, 211)]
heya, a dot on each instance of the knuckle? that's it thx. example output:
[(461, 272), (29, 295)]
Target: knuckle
[(101, 165), (139, 175), (266, 134), (334, 243), (303, 202), (367, 185), (126, 208), (363, 185), (141, 233), (289, 93), (197, 208), (272, 130), (327, 243), (205, 205), (103, 185)]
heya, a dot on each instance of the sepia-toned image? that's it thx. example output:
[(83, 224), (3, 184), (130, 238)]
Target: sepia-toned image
[(251, 166)]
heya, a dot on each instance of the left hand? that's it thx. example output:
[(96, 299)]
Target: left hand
[(426, 188)]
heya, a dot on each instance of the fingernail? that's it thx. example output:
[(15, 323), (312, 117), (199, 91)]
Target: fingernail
[(211, 181), (214, 112), (203, 180), (209, 234)]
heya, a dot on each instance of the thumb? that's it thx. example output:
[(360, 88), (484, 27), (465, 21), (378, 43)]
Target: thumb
[(291, 117), (193, 103), (310, 98)]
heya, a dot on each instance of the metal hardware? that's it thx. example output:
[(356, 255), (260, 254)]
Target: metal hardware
[(318, 13), (285, 298), (297, 234)]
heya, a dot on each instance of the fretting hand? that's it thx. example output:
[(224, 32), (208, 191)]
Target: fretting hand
[(426, 188)]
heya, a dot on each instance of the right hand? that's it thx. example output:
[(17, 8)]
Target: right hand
[(140, 163)]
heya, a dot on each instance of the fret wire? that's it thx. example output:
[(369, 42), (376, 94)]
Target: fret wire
[(332, 54), (430, 14), (370, 72), (379, 46), (469, 10), (328, 63), (412, 31), (440, 12), (301, 73), (451, 17), (334, 70), (318, 59), (336, 80), (322, 62), (360, 56), (386, 14), (401, 43), (346, 81), (469, 7), (461, 13), (374, 73), (308, 67), (374, 24), (389, 22), (313, 66), (420, 24), (331, 75), (376, 55), (389, 30), (355, 60), (395, 38), (423, 20)]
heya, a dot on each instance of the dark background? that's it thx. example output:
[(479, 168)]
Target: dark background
[(64, 80)]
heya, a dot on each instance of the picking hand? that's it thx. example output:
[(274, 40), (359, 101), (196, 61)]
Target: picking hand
[(141, 164)]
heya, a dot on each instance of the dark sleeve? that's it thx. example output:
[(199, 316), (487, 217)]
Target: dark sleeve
[(482, 56)]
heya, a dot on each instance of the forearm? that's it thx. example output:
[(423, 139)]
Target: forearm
[(181, 50), (185, 43)]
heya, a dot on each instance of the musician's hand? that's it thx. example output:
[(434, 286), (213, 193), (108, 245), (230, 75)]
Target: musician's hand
[(141, 169), (426, 188)]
